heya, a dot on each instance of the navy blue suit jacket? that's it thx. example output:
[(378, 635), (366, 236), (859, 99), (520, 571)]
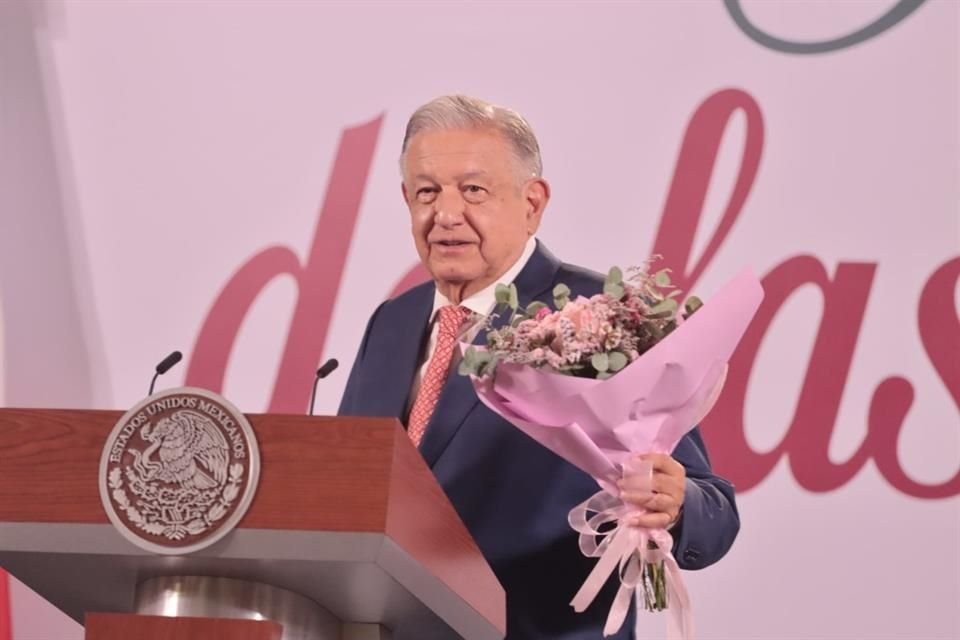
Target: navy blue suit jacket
[(512, 494)]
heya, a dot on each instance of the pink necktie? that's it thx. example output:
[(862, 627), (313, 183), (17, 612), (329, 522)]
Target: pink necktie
[(450, 320)]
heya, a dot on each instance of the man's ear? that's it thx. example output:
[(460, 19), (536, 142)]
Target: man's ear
[(537, 194)]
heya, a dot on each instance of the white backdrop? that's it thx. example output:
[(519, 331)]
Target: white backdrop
[(151, 149)]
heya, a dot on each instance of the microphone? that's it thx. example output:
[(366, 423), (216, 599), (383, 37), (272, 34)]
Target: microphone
[(165, 365), (325, 369)]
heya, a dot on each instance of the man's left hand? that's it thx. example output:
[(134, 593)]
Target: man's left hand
[(661, 496)]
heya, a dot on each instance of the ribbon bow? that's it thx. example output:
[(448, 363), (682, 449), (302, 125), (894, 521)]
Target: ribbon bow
[(627, 547)]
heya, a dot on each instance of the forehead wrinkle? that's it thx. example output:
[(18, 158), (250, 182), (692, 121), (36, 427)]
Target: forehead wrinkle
[(430, 152), (459, 177)]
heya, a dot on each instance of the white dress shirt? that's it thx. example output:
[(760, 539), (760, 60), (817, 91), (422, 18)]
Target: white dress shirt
[(481, 303)]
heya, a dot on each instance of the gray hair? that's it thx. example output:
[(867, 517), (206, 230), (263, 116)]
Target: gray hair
[(464, 112)]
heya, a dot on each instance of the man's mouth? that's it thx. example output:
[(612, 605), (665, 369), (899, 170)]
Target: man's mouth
[(451, 243)]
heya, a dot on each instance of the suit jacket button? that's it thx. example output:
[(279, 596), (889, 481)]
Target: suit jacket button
[(691, 554)]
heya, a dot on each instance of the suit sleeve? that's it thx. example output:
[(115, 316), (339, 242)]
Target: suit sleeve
[(350, 402), (709, 522)]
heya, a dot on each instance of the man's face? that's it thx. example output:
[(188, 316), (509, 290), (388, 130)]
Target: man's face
[(471, 209)]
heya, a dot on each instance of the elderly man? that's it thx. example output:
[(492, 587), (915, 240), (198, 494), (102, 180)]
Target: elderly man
[(472, 182)]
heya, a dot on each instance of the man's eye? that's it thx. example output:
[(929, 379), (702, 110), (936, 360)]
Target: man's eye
[(426, 194), (474, 193)]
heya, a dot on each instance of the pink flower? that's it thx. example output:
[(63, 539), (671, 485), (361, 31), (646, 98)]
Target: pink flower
[(581, 315), (527, 327), (549, 323), (566, 339)]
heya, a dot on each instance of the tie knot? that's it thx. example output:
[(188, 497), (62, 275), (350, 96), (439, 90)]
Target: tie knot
[(452, 318)]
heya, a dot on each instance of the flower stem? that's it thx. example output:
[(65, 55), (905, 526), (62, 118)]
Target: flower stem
[(653, 578)]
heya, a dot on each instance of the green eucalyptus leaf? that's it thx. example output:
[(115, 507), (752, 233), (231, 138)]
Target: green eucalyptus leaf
[(603, 375), (466, 368), (600, 362), (614, 276), (691, 305), (476, 362), (618, 360), (489, 366), (655, 330), (614, 290), (513, 300), (502, 294), (662, 278), (534, 308), (469, 365), (667, 305)]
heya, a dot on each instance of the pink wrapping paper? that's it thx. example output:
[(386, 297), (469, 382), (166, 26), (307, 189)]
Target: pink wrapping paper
[(597, 425)]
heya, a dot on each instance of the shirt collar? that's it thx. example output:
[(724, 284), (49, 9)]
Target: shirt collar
[(483, 301)]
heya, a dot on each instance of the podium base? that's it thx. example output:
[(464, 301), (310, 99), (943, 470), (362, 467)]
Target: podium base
[(125, 626), (209, 597)]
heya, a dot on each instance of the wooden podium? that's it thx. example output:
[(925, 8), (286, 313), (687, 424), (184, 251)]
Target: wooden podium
[(347, 520)]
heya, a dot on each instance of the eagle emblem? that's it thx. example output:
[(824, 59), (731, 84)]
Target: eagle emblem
[(193, 453), (174, 469)]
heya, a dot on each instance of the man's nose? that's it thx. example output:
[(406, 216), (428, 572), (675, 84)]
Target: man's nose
[(449, 208)]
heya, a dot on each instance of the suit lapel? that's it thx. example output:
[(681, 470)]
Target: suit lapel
[(458, 398), (404, 354)]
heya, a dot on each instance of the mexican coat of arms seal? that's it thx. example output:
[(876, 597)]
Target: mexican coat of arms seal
[(179, 471)]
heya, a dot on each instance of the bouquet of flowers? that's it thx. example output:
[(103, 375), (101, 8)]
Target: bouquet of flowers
[(599, 380)]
